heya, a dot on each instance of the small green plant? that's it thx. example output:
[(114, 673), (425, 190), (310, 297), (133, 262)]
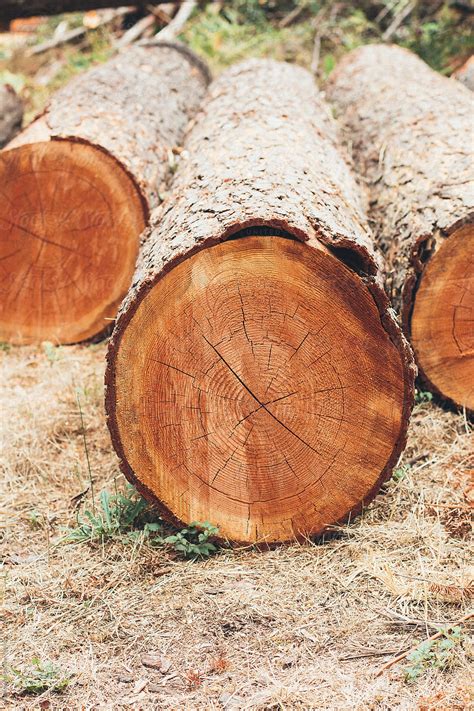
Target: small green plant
[(35, 519), (193, 541), (116, 515), (52, 352), (434, 654), (422, 396), (400, 472), (40, 677), (5, 347)]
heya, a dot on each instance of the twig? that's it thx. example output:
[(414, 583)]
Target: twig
[(164, 13), (170, 32), (418, 458), (317, 41), (437, 635), (398, 619), (461, 507), (136, 31), (89, 468), (78, 32), (292, 16), (364, 655), (397, 21), (384, 11)]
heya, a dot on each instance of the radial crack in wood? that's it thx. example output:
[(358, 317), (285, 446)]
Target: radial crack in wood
[(254, 379), (415, 150), (69, 228), (442, 323), (77, 187)]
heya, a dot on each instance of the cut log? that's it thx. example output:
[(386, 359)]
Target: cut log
[(271, 387), (77, 188), (465, 74), (11, 113), (411, 134)]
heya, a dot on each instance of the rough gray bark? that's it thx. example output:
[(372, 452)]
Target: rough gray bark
[(11, 113), (293, 177), (263, 153), (135, 107), (410, 131)]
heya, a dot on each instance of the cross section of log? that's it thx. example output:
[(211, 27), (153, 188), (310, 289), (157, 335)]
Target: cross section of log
[(411, 134), (256, 377), (77, 187)]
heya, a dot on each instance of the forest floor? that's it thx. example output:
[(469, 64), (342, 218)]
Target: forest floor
[(303, 626), (120, 623)]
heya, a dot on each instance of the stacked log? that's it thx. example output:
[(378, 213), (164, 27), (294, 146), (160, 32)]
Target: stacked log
[(257, 378), (78, 185), (411, 135)]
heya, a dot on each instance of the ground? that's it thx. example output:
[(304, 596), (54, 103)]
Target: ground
[(302, 626)]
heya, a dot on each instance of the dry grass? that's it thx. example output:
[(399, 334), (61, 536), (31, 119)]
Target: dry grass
[(297, 627)]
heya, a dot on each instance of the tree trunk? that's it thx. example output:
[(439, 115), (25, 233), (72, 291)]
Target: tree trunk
[(271, 389), (411, 133), (11, 9), (11, 113), (78, 185)]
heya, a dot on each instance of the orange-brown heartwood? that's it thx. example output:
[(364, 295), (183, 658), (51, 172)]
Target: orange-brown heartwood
[(77, 186), (256, 376), (411, 133)]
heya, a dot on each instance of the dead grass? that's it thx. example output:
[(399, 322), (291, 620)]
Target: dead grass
[(297, 627)]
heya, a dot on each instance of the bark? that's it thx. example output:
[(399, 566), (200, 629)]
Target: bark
[(11, 9), (409, 129), (11, 114), (231, 176), (135, 107), (81, 181), (262, 158)]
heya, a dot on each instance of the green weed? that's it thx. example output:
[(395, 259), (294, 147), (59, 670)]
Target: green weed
[(191, 542), (40, 677), (228, 36), (116, 515), (422, 396), (35, 519), (400, 473), (52, 352), (120, 516), (434, 654)]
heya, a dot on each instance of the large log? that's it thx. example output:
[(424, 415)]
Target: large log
[(77, 188), (11, 113), (411, 134), (256, 377)]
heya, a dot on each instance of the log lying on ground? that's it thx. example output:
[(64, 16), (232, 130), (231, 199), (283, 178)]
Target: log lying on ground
[(11, 9), (411, 132), (77, 187), (11, 113), (256, 377)]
